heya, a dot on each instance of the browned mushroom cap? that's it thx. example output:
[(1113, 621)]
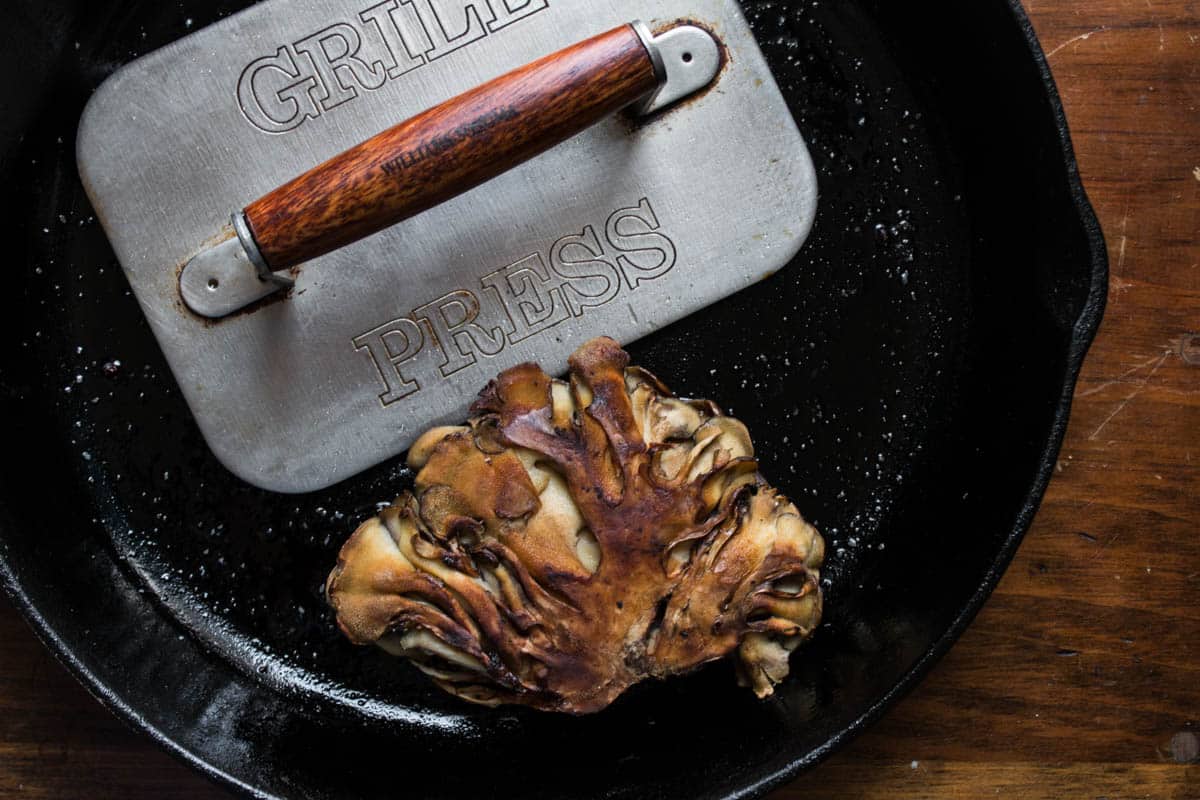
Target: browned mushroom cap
[(578, 537)]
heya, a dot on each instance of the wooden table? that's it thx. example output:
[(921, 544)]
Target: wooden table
[(1081, 677)]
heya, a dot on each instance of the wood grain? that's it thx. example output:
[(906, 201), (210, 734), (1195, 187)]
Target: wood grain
[(1081, 677), (451, 148)]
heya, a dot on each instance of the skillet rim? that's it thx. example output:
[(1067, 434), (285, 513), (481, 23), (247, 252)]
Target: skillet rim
[(1084, 333)]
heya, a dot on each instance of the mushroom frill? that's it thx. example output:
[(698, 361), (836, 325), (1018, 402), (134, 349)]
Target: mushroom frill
[(580, 536)]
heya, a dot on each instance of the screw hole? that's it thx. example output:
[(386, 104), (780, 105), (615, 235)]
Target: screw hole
[(1189, 349), (213, 284), (687, 58)]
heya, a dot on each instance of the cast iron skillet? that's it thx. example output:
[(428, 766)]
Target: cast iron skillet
[(907, 379)]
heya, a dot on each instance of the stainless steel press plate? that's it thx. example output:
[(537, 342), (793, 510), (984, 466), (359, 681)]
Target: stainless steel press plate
[(618, 232)]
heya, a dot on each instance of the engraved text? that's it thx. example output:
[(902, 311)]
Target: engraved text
[(531, 296), (302, 80)]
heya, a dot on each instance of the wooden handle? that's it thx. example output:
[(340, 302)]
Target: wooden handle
[(452, 148)]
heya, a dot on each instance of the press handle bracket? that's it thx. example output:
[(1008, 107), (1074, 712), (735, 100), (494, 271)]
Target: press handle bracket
[(444, 152)]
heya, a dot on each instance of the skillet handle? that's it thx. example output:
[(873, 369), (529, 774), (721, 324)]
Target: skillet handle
[(452, 148)]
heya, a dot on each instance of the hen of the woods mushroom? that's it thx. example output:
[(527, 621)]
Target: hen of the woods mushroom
[(578, 537)]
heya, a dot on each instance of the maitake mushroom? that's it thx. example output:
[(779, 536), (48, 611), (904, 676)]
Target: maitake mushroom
[(577, 537)]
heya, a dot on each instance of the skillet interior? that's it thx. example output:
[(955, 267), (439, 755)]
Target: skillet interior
[(907, 381)]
